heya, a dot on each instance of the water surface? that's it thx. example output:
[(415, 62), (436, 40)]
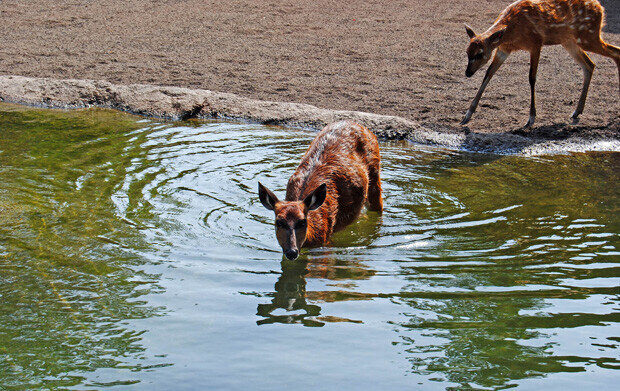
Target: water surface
[(135, 254)]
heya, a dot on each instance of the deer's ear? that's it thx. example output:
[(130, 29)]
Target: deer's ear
[(267, 198), (470, 32), (496, 37), (315, 199)]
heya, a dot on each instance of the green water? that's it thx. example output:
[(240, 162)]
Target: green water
[(135, 254)]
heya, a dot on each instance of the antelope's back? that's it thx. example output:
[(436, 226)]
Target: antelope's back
[(341, 151)]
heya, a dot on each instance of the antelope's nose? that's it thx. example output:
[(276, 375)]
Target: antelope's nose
[(292, 254), (468, 73)]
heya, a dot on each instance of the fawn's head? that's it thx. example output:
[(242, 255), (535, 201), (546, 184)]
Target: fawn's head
[(292, 217), (481, 48)]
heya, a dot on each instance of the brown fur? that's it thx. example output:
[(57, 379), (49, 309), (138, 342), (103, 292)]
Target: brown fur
[(345, 157), (530, 24)]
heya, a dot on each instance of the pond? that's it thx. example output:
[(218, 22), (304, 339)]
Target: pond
[(135, 255)]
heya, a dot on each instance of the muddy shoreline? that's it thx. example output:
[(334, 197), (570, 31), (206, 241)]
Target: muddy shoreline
[(404, 59), (182, 103)]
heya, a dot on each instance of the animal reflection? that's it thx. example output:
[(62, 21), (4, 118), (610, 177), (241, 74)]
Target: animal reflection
[(291, 297)]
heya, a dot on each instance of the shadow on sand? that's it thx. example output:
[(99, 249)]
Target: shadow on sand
[(545, 139)]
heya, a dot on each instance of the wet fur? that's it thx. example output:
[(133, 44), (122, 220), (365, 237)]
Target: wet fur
[(345, 156)]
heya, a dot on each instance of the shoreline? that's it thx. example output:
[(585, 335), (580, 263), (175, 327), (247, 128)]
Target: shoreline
[(177, 103)]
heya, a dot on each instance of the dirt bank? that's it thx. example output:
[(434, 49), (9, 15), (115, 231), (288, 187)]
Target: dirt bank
[(183, 103), (403, 58)]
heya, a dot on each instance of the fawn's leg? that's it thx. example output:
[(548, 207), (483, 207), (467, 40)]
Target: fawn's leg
[(598, 46), (588, 67), (498, 60), (534, 58)]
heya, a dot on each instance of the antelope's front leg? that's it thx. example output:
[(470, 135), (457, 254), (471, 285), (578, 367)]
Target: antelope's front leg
[(498, 60)]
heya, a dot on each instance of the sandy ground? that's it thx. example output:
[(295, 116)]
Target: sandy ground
[(404, 58)]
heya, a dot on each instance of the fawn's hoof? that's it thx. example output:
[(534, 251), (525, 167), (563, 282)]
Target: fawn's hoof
[(575, 118), (530, 122), (467, 117)]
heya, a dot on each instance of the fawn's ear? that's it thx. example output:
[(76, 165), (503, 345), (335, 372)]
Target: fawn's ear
[(496, 37), (470, 32), (267, 198), (315, 199)]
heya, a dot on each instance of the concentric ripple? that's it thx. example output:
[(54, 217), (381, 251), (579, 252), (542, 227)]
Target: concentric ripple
[(135, 252)]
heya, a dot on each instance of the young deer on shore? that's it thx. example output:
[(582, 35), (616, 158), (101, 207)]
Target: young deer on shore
[(336, 176), (529, 25)]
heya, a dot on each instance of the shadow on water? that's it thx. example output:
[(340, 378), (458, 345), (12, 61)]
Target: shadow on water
[(71, 276)]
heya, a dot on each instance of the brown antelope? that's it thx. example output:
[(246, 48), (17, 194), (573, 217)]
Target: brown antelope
[(338, 174), (529, 25)]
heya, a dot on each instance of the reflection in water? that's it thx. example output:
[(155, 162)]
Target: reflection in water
[(71, 277), (502, 268), (290, 291), (290, 295), (136, 254), (530, 262)]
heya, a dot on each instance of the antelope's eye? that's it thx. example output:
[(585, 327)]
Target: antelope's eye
[(281, 224), (301, 224)]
